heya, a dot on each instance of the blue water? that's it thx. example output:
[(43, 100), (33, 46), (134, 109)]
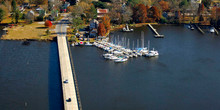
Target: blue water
[(184, 77), (30, 76)]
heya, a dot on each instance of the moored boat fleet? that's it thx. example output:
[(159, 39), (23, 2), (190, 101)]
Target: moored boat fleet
[(118, 53)]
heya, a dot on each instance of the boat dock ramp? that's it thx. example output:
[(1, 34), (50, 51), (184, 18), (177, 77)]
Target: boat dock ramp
[(155, 31)]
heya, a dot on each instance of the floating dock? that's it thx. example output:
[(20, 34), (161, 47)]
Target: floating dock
[(200, 30), (155, 31), (68, 84)]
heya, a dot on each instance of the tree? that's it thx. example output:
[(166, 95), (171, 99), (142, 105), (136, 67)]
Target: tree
[(13, 4), (184, 3), (17, 13), (40, 2), (20, 1), (126, 15), (140, 13), (14, 8), (101, 29), (91, 13), (2, 14), (99, 4), (154, 13), (206, 3), (77, 23), (48, 23), (201, 18), (132, 3), (106, 21), (201, 9), (164, 5)]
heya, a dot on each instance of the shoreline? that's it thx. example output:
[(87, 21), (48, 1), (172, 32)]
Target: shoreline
[(113, 28)]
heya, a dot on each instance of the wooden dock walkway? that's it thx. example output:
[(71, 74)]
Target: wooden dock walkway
[(216, 31), (155, 31), (200, 29), (68, 84)]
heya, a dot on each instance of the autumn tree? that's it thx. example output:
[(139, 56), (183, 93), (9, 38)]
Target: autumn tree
[(140, 13), (40, 2), (164, 5), (101, 29), (201, 9), (2, 14), (48, 23), (155, 13), (106, 21), (20, 1)]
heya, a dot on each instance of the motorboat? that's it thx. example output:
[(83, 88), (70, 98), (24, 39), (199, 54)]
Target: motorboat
[(212, 30), (88, 44), (107, 56), (126, 29), (120, 60)]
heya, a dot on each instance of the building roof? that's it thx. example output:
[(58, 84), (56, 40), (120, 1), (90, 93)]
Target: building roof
[(102, 10)]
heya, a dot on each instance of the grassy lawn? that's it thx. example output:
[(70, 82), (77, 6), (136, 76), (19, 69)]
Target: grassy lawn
[(35, 31)]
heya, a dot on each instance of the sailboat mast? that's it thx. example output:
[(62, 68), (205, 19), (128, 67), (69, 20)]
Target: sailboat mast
[(148, 45), (133, 45), (118, 39), (128, 44), (137, 43), (142, 38)]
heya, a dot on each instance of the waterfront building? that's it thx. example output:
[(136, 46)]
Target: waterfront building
[(102, 12)]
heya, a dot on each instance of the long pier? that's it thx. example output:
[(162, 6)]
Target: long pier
[(216, 31), (68, 84), (200, 29), (155, 31)]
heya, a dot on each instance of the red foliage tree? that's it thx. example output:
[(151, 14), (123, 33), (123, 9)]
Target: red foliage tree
[(48, 23), (140, 13), (101, 29)]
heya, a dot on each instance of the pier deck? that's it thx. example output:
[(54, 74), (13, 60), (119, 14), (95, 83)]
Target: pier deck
[(216, 31), (155, 31), (200, 29), (66, 75)]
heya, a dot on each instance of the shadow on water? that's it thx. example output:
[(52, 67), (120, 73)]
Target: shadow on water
[(54, 80)]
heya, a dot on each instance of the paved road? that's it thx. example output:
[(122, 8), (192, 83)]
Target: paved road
[(66, 69)]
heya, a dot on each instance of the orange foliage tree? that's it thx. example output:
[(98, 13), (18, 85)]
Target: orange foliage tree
[(201, 9), (140, 13), (155, 13), (106, 21), (164, 5), (101, 29)]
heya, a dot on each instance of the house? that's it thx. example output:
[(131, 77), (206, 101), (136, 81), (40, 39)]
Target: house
[(93, 33), (102, 12), (93, 28), (93, 24)]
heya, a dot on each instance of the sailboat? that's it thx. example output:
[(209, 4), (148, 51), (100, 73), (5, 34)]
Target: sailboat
[(88, 43), (151, 53)]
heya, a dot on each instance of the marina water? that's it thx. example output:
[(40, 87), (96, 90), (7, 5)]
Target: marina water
[(30, 76), (185, 76)]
